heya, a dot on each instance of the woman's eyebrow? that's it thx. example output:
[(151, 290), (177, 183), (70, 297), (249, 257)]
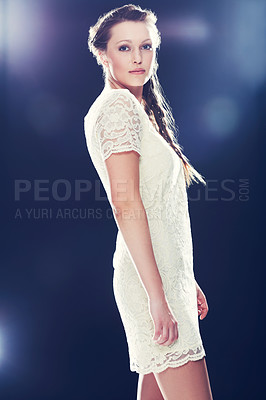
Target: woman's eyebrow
[(127, 40)]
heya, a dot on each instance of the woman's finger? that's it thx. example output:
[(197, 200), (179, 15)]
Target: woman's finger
[(171, 337), (157, 332), (204, 306), (164, 335), (204, 310), (176, 330)]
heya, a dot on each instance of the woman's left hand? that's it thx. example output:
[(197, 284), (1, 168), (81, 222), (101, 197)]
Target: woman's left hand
[(202, 302)]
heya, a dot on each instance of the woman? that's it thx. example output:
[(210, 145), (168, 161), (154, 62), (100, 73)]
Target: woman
[(130, 137)]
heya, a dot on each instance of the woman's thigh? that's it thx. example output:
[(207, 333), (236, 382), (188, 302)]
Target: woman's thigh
[(188, 382), (148, 388)]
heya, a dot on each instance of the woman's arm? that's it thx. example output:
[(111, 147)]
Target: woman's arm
[(131, 218)]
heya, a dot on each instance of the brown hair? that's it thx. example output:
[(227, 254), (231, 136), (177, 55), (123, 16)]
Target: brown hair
[(156, 105)]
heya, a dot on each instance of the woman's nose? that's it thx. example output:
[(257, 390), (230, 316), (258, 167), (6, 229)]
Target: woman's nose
[(137, 56)]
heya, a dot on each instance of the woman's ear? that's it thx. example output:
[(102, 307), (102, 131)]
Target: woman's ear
[(103, 58)]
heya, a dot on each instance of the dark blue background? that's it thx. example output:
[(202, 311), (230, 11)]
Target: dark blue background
[(61, 336)]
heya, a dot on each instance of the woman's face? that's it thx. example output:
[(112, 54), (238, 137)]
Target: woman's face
[(130, 48)]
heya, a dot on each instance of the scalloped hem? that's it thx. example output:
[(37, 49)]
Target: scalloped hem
[(169, 364)]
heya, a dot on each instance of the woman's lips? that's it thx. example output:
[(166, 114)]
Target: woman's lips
[(138, 72)]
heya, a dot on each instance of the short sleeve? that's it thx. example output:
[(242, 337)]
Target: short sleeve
[(119, 125)]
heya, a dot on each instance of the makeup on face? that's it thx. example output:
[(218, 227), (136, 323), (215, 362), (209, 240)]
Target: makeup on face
[(130, 53)]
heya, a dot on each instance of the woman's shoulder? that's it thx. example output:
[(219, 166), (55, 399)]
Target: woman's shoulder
[(116, 104), (113, 98)]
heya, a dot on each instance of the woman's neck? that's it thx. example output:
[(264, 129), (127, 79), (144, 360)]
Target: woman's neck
[(137, 91)]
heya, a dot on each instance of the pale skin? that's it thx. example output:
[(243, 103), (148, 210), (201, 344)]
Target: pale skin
[(129, 47)]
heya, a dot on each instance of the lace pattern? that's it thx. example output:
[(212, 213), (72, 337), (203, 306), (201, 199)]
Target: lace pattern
[(116, 123), (118, 126), (176, 359)]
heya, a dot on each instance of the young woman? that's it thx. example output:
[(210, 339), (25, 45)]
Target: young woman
[(130, 135)]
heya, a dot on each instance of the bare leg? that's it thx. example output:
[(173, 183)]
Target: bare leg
[(188, 382), (148, 388)]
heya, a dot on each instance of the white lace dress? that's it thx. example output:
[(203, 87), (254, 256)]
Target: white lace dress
[(117, 122)]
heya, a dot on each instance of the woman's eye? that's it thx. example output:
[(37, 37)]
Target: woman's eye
[(122, 48), (147, 46)]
